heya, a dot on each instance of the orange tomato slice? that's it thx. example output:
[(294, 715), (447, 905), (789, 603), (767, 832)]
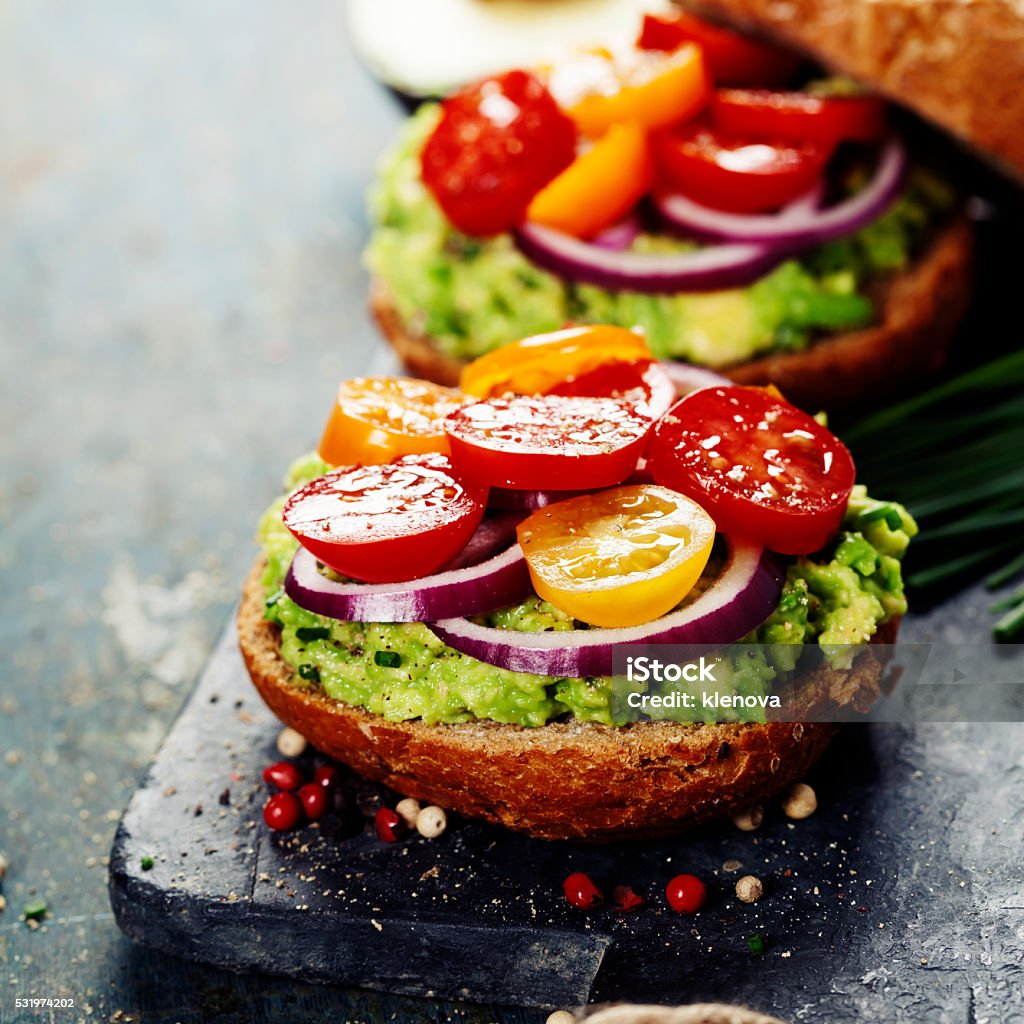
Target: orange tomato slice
[(650, 88), (378, 419), (598, 187), (621, 557), (534, 365)]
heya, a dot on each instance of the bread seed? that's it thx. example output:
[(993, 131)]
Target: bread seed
[(431, 822), (291, 743), (747, 821), (749, 889), (408, 810), (800, 801)]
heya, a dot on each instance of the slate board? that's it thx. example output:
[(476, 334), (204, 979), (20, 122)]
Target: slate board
[(902, 898)]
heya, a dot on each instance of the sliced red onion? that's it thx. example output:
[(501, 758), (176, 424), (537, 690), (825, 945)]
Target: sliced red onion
[(802, 223), (464, 587), (527, 501), (619, 236), (741, 598), (708, 269), (687, 377)]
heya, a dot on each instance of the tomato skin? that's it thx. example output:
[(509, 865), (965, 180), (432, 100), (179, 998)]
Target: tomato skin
[(547, 442), (533, 365), (798, 116), (732, 58), (763, 469), (738, 175), (389, 523), (497, 144), (600, 187), (645, 384), (377, 419), (621, 557)]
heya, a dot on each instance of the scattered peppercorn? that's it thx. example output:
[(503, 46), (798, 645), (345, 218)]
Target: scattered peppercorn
[(581, 892), (326, 775), (560, 1017), (34, 910), (431, 822), (408, 810), (800, 801), (686, 894), (749, 889), (624, 898), (146, 863), (283, 775), (291, 742), (748, 821), (282, 811), (314, 800), (387, 823), (756, 943)]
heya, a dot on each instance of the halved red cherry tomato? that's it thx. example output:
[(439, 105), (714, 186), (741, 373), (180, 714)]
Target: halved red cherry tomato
[(547, 442), (732, 58), (645, 385), (383, 524), (737, 174), (534, 365), (497, 144), (798, 116), (620, 557), (761, 467), (377, 419)]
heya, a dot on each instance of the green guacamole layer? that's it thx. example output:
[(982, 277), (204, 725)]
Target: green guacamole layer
[(472, 295), (837, 599)]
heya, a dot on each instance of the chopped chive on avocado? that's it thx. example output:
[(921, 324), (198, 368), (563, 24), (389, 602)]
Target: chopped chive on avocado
[(387, 659), (310, 673), (756, 943), (34, 910), (308, 633), (146, 863), (885, 511), (273, 599), (1011, 625)]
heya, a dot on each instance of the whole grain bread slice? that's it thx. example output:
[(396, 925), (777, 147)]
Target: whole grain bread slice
[(918, 313), (563, 780)]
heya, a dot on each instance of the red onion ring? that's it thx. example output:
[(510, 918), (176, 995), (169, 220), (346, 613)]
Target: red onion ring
[(466, 586), (801, 224), (741, 598), (688, 377), (619, 236), (708, 269), (527, 501)]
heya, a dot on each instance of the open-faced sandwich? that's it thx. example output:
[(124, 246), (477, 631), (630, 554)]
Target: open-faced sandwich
[(446, 584), (749, 214)]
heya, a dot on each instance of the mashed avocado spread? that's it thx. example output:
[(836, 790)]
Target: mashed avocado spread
[(472, 295), (402, 671)]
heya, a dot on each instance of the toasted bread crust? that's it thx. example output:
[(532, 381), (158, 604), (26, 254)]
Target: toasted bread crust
[(919, 311), (564, 780), (958, 63)]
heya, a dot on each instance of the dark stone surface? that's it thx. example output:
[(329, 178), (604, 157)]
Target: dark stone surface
[(900, 899)]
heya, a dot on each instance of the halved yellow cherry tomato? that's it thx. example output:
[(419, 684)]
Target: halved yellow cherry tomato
[(621, 557), (598, 187), (377, 419), (534, 365), (649, 88)]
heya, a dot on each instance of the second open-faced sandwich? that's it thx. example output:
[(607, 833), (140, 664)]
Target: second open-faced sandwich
[(748, 212), (445, 587)]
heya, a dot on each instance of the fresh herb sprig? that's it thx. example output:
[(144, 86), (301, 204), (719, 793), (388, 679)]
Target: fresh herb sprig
[(954, 455)]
